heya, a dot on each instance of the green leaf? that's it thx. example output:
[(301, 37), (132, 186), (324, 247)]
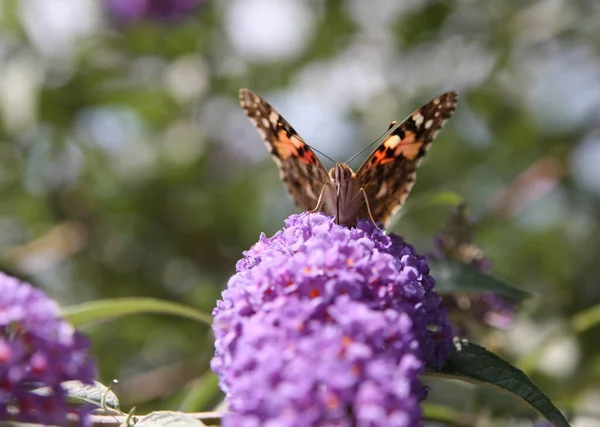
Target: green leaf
[(473, 363), (168, 418), (427, 204), (440, 413), (441, 198), (433, 200), (204, 391), (97, 394), (586, 319), (452, 276), (82, 314)]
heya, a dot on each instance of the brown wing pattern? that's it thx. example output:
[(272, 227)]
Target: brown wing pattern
[(389, 173), (299, 168)]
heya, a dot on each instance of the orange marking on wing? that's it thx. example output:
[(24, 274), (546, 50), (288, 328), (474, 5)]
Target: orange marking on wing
[(289, 147), (285, 147), (308, 158), (379, 157), (410, 151)]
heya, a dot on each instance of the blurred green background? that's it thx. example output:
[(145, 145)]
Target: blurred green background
[(127, 167)]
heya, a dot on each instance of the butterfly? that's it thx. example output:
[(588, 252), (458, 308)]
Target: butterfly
[(380, 186)]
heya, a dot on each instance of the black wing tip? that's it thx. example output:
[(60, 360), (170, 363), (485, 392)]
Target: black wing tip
[(447, 101), (449, 94), (453, 95), (247, 96)]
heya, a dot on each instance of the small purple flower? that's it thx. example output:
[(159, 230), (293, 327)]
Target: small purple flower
[(326, 325), (157, 10), (38, 349)]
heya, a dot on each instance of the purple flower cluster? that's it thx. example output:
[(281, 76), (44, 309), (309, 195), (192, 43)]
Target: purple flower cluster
[(329, 326), (157, 10), (38, 349)]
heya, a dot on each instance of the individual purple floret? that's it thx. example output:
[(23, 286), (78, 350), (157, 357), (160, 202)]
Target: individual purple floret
[(157, 10), (38, 349), (325, 325)]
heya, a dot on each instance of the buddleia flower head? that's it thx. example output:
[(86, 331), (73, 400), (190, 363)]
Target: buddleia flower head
[(328, 325), (38, 349)]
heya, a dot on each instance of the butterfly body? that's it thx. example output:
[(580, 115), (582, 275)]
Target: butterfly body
[(342, 196), (379, 187)]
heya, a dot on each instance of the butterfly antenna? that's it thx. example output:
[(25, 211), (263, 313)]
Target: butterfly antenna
[(337, 202), (321, 153), (394, 123)]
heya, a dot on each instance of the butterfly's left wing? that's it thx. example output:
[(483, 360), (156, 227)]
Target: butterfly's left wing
[(299, 168), (389, 173)]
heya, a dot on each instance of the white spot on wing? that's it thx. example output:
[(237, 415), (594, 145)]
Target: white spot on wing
[(309, 192), (393, 141), (418, 118), (428, 123), (382, 191)]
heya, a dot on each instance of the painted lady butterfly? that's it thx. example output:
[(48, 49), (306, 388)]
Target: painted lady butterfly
[(379, 187)]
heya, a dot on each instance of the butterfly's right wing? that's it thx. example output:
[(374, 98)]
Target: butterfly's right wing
[(389, 173), (299, 168)]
